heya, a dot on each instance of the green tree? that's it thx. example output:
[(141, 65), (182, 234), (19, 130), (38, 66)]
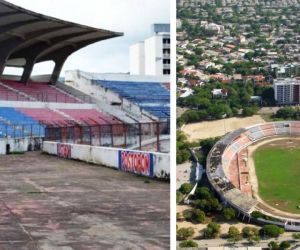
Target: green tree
[(285, 245), (211, 231), (234, 234), (249, 111), (273, 245), (179, 197), (187, 214), (271, 231), (286, 113), (254, 239), (296, 236), (202, 193), (186, 188), (249, 232), (228, 213), (185, 233), (198, 215), (188, 243)]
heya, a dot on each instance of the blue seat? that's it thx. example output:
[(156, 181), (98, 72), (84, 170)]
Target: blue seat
[(16, 124), (151, 96)]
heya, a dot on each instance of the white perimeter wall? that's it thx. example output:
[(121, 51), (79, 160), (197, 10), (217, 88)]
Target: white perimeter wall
[(109, 157), (19, 145)]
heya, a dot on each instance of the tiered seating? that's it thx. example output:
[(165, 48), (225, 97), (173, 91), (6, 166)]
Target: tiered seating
[(268, 129), (255, 133), (243, 171), (10, 120), (90, 116), (295, 128), (46, 116), (233, 172), (42, 92), (152, 97), (161, 112), (227, 156), (9, 95), (282, 128)]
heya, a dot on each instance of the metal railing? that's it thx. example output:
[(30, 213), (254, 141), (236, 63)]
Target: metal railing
[(152, 136), (15, 131), (44, 97)]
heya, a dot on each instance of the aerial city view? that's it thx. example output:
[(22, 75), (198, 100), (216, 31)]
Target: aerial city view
[(238, 124)]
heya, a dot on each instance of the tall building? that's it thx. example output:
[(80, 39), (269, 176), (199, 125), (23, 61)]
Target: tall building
[(287, 90), (152, 56)]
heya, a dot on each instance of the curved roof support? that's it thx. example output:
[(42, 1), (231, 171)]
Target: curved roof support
[(59, 63), (70, 47), (5, 50), (8, 46), (38, 38), (32, 57), (9, 27)]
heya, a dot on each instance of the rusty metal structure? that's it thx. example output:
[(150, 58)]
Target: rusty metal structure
[(142, 136), (27, 38)]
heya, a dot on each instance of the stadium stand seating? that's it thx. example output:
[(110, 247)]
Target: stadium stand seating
[(295, 128), (268, 129), (16, 124), (227, 168), (152, 97), (46, 116), (20, 122), (90, 117), (9, 95), (39, 92)]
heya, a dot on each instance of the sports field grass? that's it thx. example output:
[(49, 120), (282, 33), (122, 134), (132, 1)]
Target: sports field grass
[(278, 174)]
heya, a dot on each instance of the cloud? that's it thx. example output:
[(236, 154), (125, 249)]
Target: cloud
[(132, 17)]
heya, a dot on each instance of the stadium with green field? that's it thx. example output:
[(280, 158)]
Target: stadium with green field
[(277, 168), (256, 170)]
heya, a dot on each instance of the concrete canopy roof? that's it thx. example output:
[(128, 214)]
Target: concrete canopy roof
[(37, 38)]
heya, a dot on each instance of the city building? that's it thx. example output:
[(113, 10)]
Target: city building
[(287, 90), (152, 56)]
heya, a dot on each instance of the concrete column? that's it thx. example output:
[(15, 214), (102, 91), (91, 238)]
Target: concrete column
[(57, 69), (6, 49), (2, 64), (27, 70)]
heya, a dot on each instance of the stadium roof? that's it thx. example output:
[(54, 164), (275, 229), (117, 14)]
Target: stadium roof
[(27, 38)]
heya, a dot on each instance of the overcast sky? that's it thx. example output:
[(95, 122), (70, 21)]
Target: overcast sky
[(132, 17)]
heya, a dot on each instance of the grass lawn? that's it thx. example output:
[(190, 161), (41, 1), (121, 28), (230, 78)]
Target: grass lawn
[(278, 173)]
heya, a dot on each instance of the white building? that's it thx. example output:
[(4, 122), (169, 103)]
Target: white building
[(287, 90), (152, 56), (137, 59)]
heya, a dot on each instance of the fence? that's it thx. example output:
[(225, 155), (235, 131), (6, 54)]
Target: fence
[(43, 97), (143, 136), (21, 130)]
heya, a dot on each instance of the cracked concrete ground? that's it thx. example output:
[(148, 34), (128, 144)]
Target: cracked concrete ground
[(51, 204)]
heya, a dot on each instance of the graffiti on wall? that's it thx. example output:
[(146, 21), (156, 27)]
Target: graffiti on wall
[(64, 150), (136, 162)]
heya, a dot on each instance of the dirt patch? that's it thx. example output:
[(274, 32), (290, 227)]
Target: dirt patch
[(204, 130), (199, 227)]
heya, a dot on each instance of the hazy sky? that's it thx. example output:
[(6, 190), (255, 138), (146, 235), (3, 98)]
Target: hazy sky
[(132, 17)]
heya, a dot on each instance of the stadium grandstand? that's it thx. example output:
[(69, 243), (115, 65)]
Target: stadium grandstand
[(37, 106), (228, 172), (90, 140)]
